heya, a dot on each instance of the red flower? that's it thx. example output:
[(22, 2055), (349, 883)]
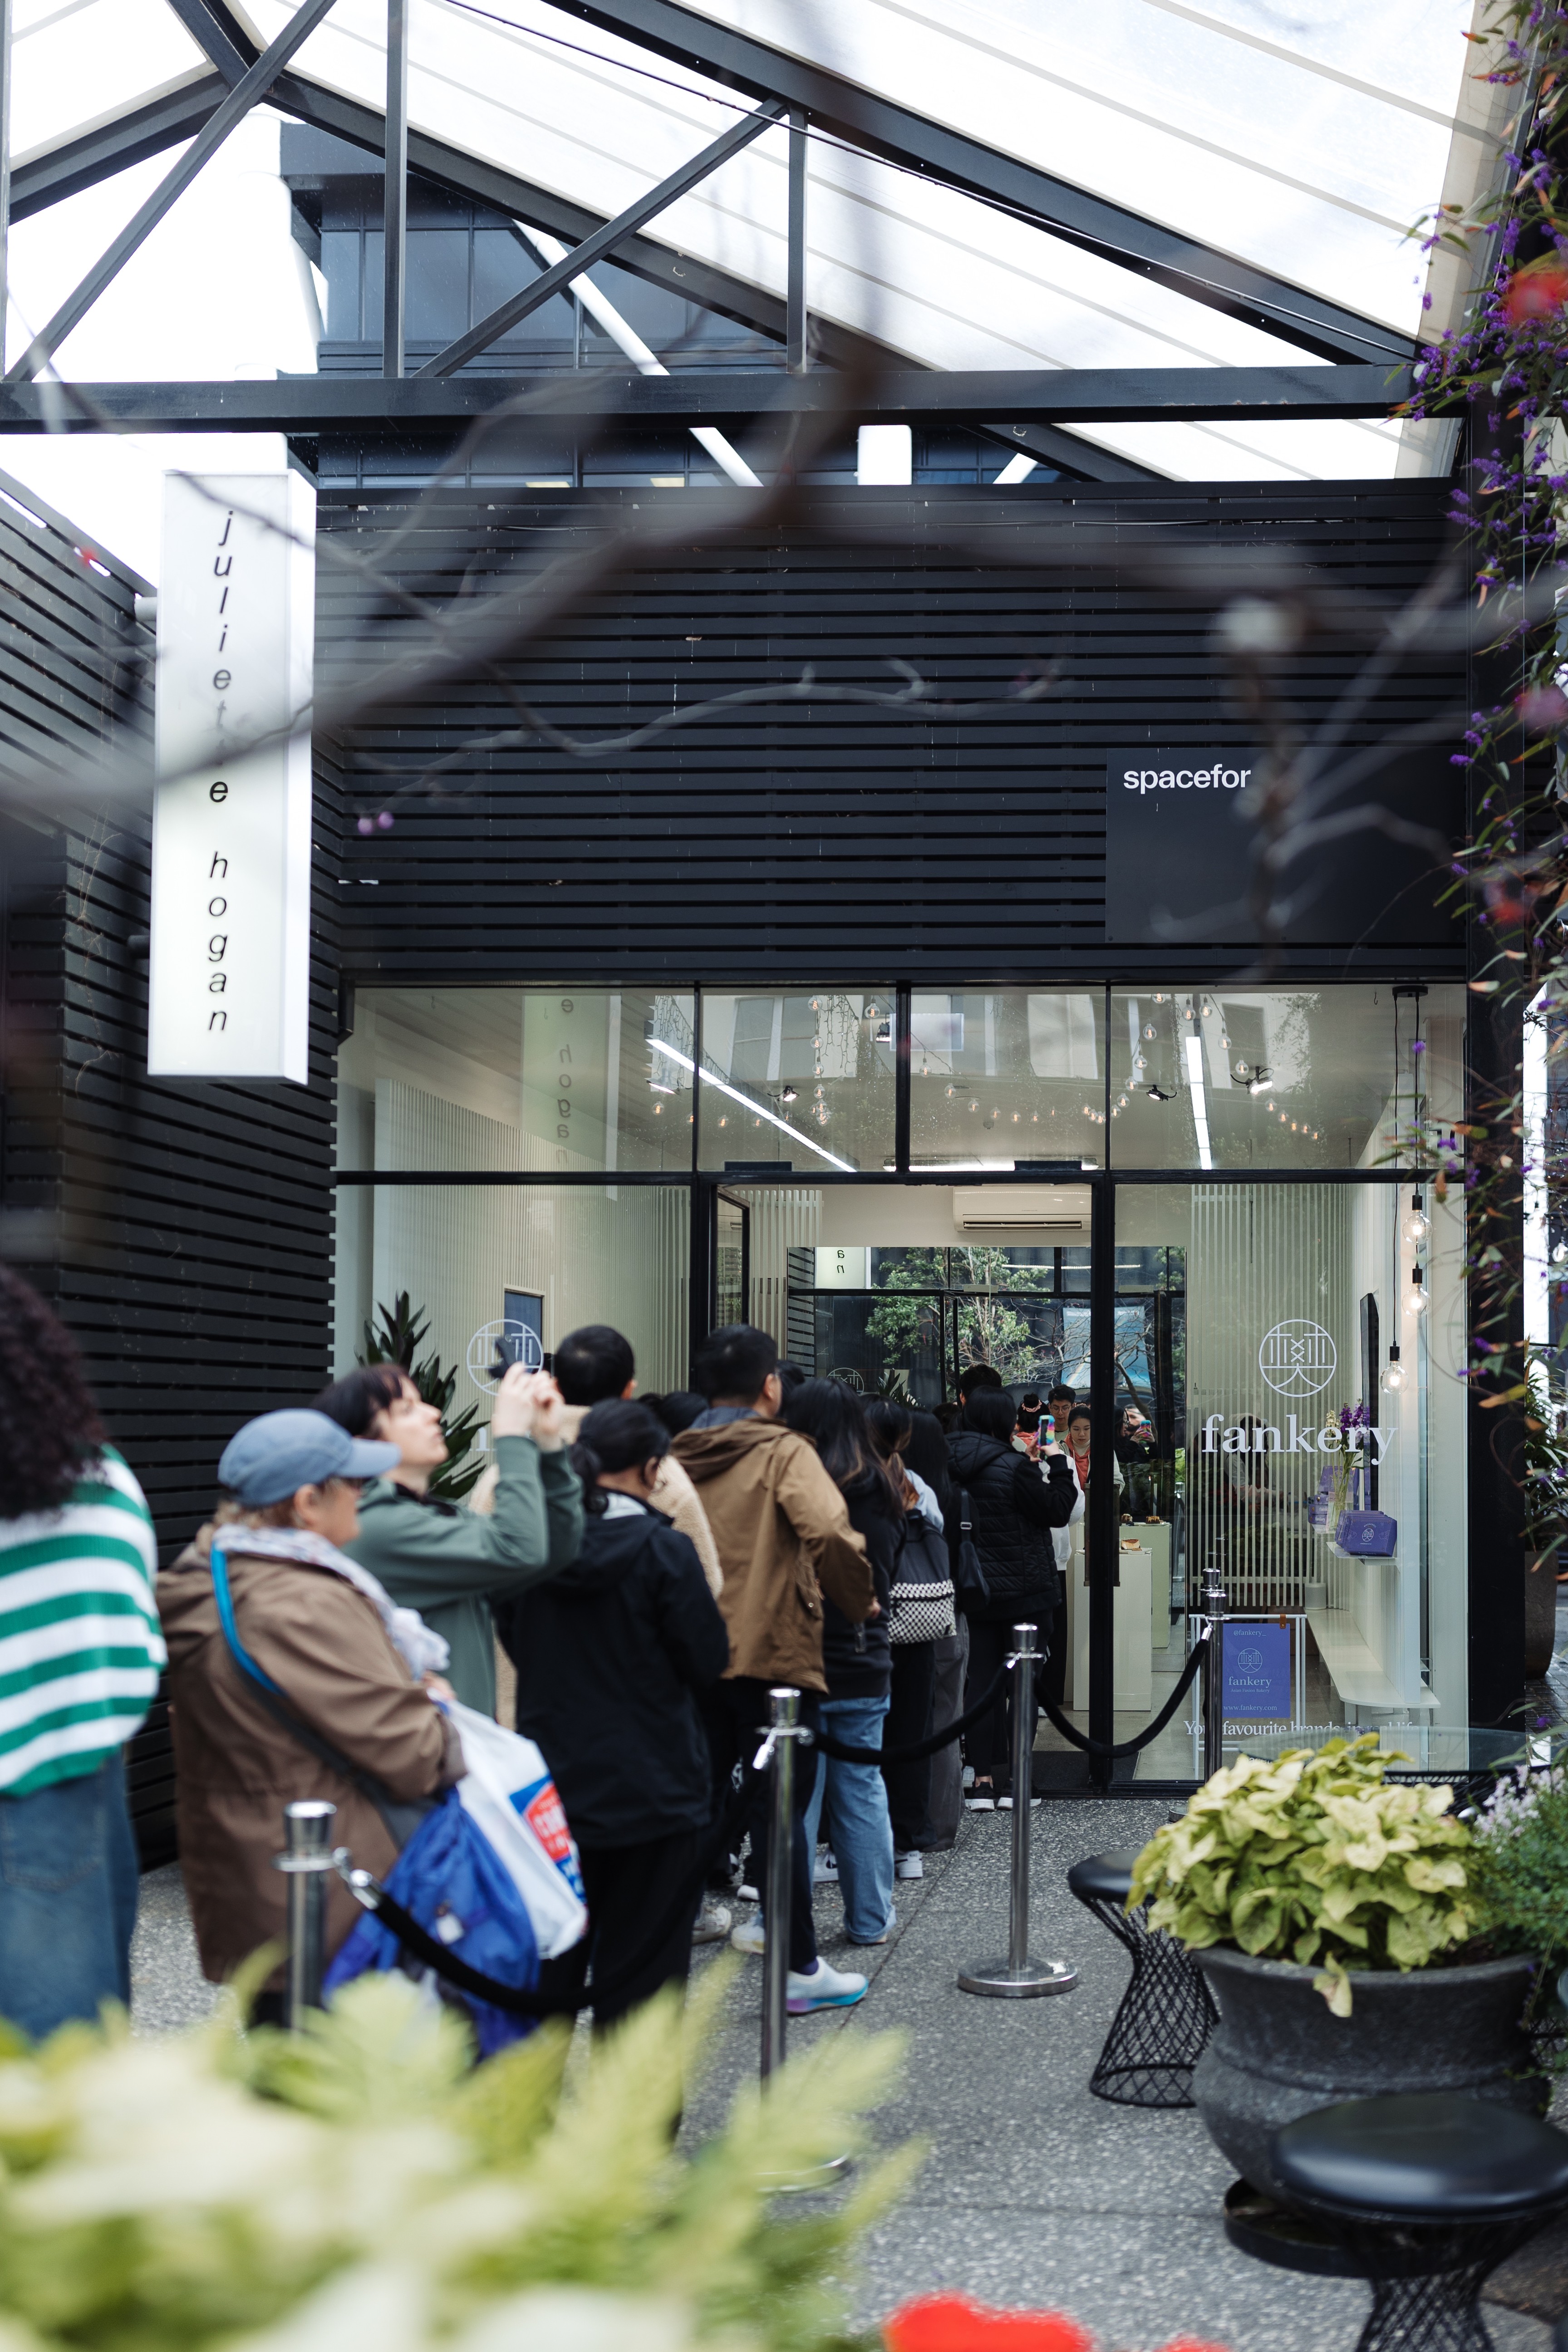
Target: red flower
[(1538, 292), (1543, 708), (954, 2323)]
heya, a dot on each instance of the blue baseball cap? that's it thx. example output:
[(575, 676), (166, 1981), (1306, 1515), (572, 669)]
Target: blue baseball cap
[(278, 1451)]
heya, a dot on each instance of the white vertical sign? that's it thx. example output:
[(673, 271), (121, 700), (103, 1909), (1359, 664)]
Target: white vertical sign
[(231, 828)]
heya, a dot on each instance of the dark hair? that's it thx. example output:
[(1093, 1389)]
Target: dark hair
[(977, 1376), (1063, 1388), (947, 1418), (1030, 1415), (48, 1422), (594, 1364), (1079, 1413), (678, 1409), (888, 1426), (355, 1399), (925, 1453), (735, 1363), (991, 1411), (834, 1418), (620, 1433), (790, 1375)]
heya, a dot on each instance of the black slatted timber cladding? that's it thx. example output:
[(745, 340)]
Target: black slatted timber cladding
[(813, 841), (183, 1232)]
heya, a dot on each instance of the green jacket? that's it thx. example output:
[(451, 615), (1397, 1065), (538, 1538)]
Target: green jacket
[(446, 1563)]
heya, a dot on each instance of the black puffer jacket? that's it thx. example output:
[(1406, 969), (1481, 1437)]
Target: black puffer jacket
[(1013, 1509)]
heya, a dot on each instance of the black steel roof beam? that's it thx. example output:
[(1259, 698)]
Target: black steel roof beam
[(726, 397), (213, 29), (603, 241), (896, 132), (96, 155), (236, 104)]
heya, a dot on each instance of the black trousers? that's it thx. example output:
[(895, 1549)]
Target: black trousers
[(909, 1719), (989, 1745), (630, 1890), (746, 1703)]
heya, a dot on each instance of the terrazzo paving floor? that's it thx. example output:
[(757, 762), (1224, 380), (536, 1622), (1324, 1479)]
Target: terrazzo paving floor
[(1033, 2193)]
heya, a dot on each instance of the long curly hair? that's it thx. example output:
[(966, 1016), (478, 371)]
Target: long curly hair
[(48, 1422)]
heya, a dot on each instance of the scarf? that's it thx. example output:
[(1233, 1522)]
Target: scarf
[(422, 1650)]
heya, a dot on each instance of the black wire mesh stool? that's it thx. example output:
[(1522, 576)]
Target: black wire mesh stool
[(1167, 2012), (1426, 2192)]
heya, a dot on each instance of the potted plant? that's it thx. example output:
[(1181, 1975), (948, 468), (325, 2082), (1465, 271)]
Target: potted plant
[(1333, 1914)]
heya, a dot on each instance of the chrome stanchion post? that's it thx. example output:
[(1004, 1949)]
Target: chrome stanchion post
[(1213, 1620), (305, 1859), (1018, 1978), (778, 1749)]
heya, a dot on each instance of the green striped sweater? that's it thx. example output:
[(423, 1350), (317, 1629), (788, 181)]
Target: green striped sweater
[(80, 1645)]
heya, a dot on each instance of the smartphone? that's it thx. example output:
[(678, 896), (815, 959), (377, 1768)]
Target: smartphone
[(1047, 1428)]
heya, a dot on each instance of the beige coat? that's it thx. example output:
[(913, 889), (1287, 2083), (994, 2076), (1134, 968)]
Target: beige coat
[(323, 1644), (784, 1537), (674, 1495)]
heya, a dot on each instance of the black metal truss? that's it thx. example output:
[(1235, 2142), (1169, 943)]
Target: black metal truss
[(147, 130), (728, 397), (881, 126)]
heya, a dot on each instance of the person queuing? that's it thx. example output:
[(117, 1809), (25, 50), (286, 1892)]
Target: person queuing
[(611, 1657), (928, 1470), (344, 1713), (783, 1536), (849, 1802), (597, 1363), (1012, 1505), (82, 1653), (445, 1562), (922, 1616)]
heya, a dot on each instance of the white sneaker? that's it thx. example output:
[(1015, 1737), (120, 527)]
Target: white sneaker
[(908, 1865), (745, 1893), (751, 1935), (713, 1923), (824, 1987), (825, 1870), (1005, 1804)]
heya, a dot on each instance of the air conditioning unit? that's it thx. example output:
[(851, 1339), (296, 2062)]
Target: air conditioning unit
[(1021, 1208)]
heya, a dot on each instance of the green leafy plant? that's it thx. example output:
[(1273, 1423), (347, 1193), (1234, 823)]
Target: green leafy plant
[(362, 2184), (402, 1333), (1314, 1857), (1519, 1863)]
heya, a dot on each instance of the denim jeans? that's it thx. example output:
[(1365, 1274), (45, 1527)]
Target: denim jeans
[(849, 1807), (67, 1899)]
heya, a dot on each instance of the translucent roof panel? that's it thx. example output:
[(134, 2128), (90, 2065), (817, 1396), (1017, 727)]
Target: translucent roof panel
[(1304, 142), (77, 63)]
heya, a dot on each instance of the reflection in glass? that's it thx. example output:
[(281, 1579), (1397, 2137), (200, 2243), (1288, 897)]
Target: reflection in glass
[(1283, 1078), (1000, 1077), (468, 1254), (493, 1078), (798, 1081)]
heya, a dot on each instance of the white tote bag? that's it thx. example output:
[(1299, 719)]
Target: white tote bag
[(507, 1793)]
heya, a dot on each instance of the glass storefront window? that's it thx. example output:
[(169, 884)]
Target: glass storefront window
[(473, 1257), (559, 1079), (800, 1081), (1281, 1078), (1002, 1077), (1287, 1378)]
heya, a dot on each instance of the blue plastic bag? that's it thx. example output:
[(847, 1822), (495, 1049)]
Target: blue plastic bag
[(448, 1878)]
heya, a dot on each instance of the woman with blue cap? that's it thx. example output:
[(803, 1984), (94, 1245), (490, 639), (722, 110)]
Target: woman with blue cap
[(293, 1674)]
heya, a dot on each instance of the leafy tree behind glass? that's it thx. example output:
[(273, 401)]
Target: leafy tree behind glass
[(991, 1330), (404, 1329)]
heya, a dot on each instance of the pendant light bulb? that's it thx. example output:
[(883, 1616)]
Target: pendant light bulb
[(1417, 1227), (1415, 1301), (1392, 1373)]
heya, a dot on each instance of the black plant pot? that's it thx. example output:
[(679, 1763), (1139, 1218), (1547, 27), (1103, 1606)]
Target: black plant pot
[(1278, 2053)]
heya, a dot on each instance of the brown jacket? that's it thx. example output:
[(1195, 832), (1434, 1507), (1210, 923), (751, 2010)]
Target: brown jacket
[(325, 1646), (673, 1494), (784, 1538)]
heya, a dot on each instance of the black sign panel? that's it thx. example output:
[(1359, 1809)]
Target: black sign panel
[(1180, 840)]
